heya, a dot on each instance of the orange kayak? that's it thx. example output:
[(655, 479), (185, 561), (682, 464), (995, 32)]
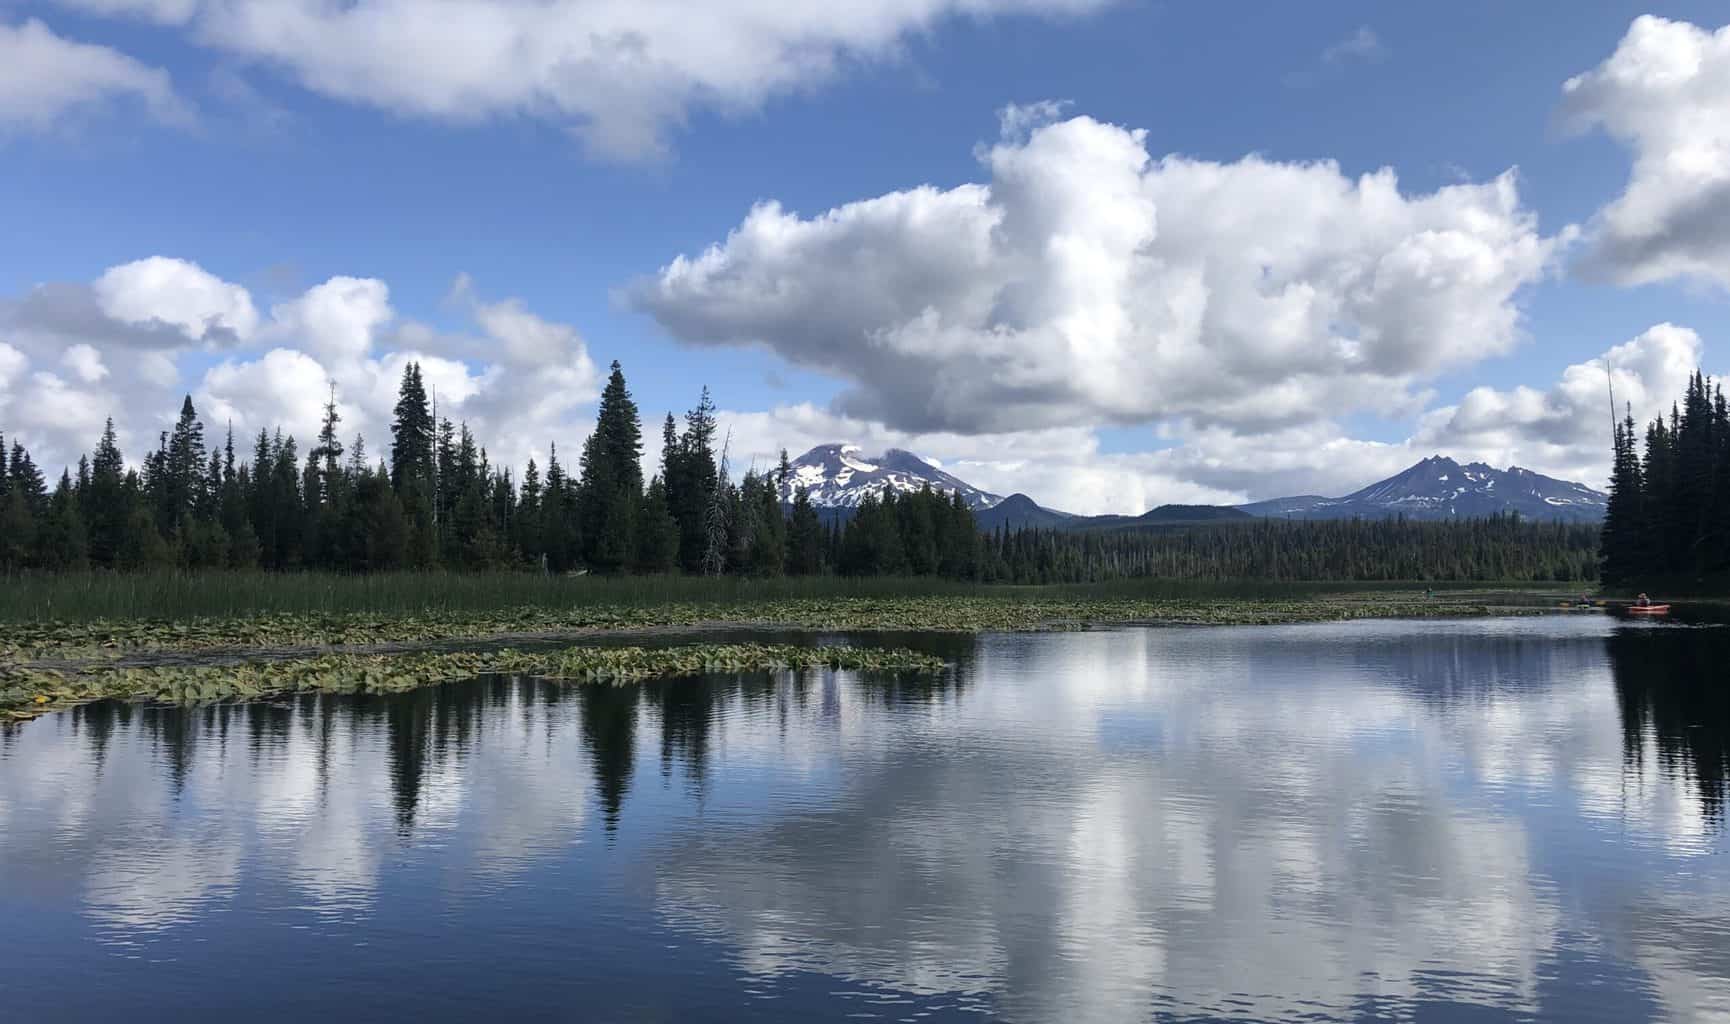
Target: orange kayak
[(1648, 609)]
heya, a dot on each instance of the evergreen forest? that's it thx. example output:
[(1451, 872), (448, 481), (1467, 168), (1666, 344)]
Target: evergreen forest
[(1668, 518), (433, 500)]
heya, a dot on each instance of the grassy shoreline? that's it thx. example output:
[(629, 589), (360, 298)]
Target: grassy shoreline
[(93, 596)]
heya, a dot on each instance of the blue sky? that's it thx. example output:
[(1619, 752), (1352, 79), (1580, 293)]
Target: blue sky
[(272, 170)]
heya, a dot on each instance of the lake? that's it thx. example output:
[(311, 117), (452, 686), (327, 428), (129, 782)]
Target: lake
[(1506, 819)]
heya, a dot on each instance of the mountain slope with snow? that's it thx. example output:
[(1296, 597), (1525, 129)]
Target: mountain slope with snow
[(1440, 488), (837, 477), (841, 475)]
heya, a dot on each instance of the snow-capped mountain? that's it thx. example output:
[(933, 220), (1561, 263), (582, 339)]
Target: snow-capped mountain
[(841, 475), (1440, 488)]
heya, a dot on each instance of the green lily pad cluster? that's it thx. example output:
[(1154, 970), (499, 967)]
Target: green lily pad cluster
[(25, 692), (24, 641)]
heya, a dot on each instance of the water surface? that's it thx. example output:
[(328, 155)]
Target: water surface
[(1503, 820)]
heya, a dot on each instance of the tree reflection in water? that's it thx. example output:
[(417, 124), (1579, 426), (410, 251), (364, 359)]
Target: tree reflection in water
[(1673, 685)]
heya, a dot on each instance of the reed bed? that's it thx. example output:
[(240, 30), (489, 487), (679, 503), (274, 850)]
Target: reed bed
[(100, 596)]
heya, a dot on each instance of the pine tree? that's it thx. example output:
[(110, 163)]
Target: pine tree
[(104, 498), (328, 456), (411, 434), (141, 545), (560, 541), (412, 470), (526, 524), (61, 539), (17, 532), (716, 518), (183, 471), (611, 490), (24, 511), (805, 540), (691, 480), (24, 480), (383, 525), (1623, 513), (1716, 549), (765, 531), (657, 532)]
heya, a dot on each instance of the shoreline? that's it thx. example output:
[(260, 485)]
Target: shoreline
[(47, 668)]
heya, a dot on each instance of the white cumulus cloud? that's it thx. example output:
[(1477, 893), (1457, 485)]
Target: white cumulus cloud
[(128, 345), (45, 77), (179, 294), (338, 320), (1664, 93), (12, 364), (1560, 429), (85, 363), (1088, 281), (621, 72), (1564, 429)]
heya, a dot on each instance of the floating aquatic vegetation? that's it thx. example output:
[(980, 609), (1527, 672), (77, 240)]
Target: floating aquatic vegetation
[(25, 693), (24, 641)]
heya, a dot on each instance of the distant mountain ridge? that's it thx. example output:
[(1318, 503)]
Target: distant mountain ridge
[(1018, 511), (1440, 488), (837, 477)]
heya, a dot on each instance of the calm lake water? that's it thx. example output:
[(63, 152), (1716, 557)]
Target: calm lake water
[(1441, 821)]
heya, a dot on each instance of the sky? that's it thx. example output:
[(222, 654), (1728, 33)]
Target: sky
[(1109, 253)]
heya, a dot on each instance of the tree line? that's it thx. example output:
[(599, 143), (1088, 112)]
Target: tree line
[(435, 500), (1669, 509), (1501, 547)]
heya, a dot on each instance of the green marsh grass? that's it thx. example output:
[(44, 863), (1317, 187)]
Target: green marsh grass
[(87, 597)]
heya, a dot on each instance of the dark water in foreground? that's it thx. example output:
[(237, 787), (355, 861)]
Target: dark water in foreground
[(1458, 821)]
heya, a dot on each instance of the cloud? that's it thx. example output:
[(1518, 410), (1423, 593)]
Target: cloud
[(522, 381), (85, 363), (1561, 430), (1067, 468), (1363, 45), (620, 74), (1018, 120), (167, 12), (1564, 430), (12, 364), (1665, 94), (1090, 282), (45, 78), (130, 344), (178, 294), (336, 321), (1137, 875), (1061, 466)]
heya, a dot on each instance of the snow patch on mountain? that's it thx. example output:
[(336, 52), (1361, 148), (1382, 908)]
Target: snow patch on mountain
[(841, 475)]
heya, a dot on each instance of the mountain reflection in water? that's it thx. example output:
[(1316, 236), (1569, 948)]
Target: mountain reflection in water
[(1502, 820)]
